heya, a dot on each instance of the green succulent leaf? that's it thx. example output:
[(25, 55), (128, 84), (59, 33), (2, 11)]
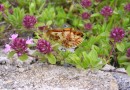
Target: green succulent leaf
[(125, 21), (93, 54), (49, 23), (32, 8), (16, 18), (120, 47), (86, 60), (23, 57), (51, 58), (11, 54), (128, 70), (74, 58), (122, 59), (95, 15)]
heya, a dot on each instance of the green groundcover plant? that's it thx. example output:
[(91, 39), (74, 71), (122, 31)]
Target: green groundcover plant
[(105, 25)]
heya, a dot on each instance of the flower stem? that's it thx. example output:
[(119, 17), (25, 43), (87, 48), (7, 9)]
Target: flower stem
[(114, 62), (36, 57)]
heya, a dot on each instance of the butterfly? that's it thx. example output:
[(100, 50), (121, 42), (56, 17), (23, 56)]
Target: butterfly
[(68, 37)]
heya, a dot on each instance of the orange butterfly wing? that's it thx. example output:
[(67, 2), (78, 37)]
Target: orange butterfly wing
[(68, 37)]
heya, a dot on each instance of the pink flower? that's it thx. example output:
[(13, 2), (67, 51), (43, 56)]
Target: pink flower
[(128, 52), (86, 3), (13, 36), (29, 21), (7, 48), (127, 7), (117, 34), (106, 11), (44, 46), (85, 15), (88, 26), (29, 41), (19, 45), (1, 8)]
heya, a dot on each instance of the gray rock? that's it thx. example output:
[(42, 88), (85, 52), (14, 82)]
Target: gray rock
[(21, 69), (17, 75), (108, 67), (51, 77), (121, 69), (123, 81)]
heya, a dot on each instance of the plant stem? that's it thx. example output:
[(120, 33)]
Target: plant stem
[(115, 56), (1, 23), (36, 57), (4, 15), (113, 52)]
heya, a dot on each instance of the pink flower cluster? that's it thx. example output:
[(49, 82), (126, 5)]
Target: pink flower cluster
[(86, 3), (88, 26), (106, 11), (117, 34), (85, 15), (29, 21), (127, 7), (19, 45), (44, 46)]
